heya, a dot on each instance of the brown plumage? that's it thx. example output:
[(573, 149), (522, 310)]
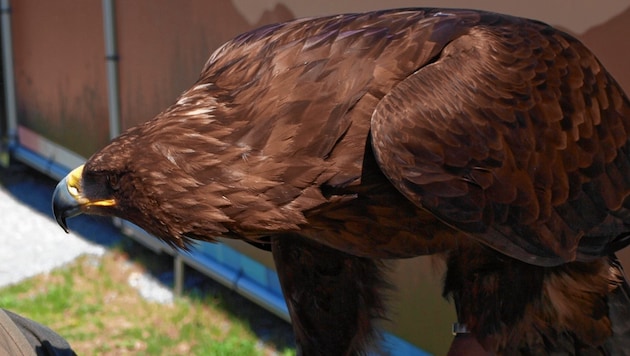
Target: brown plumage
[(498, 142)]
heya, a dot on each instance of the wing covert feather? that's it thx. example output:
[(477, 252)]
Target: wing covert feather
[(517, 136)]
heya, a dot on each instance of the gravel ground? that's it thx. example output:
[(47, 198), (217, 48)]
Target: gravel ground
[(32, 244)]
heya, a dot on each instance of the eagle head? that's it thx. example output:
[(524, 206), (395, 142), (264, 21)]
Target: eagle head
[(151, 177)]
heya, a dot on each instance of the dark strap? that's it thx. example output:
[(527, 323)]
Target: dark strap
[(31, 338), (12, 340)]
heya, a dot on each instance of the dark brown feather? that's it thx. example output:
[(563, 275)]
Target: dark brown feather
[(498, 141), (331, 308)]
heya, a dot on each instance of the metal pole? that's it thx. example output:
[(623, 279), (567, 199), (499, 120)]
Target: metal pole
[(8, 72), (178, 264), (111, 50)]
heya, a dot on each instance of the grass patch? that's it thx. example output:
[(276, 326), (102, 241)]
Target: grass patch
[(91, 304)]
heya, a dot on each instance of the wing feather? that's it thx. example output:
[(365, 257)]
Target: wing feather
[(516, 136)]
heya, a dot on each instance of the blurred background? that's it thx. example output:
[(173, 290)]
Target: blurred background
[(77, 73)]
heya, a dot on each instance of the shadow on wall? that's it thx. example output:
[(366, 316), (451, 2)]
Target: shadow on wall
[(610, 41)]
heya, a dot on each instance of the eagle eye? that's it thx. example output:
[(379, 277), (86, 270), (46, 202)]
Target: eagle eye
[(114, 181)]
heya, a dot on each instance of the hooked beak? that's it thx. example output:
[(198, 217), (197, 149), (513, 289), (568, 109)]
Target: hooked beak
[(68, 199)]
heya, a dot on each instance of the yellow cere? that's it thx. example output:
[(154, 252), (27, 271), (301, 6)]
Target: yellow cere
[(73, 181)]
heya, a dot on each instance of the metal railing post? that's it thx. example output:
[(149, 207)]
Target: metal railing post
[(9, 76), (111, 56)]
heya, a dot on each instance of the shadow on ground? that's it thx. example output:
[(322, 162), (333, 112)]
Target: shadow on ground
[(35, 190)]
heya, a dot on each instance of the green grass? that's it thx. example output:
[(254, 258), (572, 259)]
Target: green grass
[(90, 303)]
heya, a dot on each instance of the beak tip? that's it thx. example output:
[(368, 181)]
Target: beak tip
[(62, 223)]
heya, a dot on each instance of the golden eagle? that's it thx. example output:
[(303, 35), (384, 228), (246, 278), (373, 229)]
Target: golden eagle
[(338, 142)]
